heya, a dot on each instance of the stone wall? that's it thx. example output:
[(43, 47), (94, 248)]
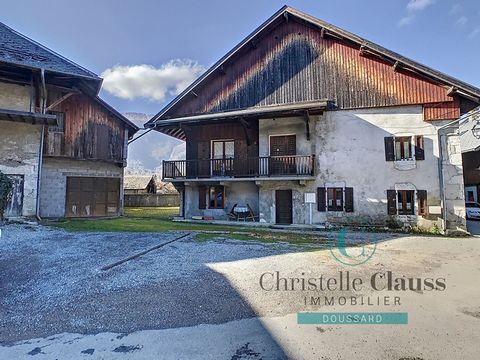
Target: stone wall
[(19, 155), (53, 190), (350, 151)]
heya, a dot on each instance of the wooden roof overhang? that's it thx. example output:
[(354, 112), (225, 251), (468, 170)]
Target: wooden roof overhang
[(173, 127), (28, 117)]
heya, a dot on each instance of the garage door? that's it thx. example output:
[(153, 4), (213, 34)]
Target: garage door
[(92, 196)]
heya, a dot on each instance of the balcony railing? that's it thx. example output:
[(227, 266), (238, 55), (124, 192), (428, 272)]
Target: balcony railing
[(267, 166)]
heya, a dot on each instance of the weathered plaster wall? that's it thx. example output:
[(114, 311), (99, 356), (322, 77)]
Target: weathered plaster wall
[(236, 192), (53, 189), (19, 150), (14, 97), (453, 179), (350, 151)]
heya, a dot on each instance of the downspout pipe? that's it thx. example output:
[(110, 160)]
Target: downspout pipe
[(40, 154)]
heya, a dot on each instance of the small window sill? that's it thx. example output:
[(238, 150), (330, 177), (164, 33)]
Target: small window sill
[(407, 164)]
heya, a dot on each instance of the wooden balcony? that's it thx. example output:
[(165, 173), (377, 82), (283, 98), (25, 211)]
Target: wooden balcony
[(257, 167)]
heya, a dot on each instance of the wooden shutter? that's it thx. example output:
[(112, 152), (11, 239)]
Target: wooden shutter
[(419, 148), (348, 199), (389, 148), (202, 197), (392, 202), (422, 202), (321, 203)]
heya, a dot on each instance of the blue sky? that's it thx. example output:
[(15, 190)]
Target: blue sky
[(179, 39)]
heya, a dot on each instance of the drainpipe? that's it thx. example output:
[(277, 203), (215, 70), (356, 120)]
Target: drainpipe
[(40, 154), (440, 171)]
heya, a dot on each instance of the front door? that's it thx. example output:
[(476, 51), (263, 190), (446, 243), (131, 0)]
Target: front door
[(283, 206), (15, 205), (282, 151)]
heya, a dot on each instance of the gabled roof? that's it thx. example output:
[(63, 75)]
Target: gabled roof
[(137, 182), (285, 12), (20, 50)]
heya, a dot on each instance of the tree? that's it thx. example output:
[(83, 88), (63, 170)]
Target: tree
[(6, 187)]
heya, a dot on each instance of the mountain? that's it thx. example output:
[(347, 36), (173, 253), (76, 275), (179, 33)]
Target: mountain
[(146, 154)]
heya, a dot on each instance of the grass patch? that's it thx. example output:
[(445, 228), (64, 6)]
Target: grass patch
[(159, 220), (264, 236)]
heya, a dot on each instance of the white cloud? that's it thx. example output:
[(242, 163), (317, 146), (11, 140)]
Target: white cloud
[(417, 5), (413, 7), (406, 20), (461, 21), (148, 82), (456, 9)]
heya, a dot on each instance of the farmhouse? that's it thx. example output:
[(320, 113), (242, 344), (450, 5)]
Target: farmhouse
[(64, 147), (302, 111), (470, 141)]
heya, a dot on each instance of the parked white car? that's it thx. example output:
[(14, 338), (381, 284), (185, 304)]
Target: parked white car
[(473, 210)]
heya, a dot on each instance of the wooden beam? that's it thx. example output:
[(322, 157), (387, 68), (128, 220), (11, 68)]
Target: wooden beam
[(193, 93), (59, 101), (322, 33), (285, 15), (396, 66), (451, 91), (246, 126)]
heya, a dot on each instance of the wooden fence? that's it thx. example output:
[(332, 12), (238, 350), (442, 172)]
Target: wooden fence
[(151, 200)]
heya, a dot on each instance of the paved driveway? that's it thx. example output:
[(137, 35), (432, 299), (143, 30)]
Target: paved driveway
[(202, 300)]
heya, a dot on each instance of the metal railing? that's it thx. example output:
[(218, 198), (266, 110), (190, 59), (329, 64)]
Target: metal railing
[(266, 166)]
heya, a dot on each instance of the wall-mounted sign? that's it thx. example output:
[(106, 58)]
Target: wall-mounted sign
[(310, 198)]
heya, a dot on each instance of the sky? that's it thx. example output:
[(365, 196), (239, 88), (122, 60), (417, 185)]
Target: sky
[(148, 51)]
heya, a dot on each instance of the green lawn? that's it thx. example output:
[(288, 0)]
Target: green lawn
[(160, 220)]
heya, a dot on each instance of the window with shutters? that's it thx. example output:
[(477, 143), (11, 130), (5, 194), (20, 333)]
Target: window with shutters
[(335, 199), (216, 197), (402, 202), (403, 148)]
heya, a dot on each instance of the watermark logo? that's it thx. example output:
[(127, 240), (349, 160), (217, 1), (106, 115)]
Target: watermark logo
[(353, 255)]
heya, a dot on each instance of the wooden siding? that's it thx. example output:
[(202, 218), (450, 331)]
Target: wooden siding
[(90, 132), (294, 63)]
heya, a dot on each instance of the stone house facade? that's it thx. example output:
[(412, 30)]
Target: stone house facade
[(306, 123)]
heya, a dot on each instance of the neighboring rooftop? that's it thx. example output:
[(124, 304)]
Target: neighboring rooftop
[(18, 49), (468, 141)]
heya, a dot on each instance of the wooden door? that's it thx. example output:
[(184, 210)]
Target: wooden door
[(283, 207), (15, 205), (282, 151)]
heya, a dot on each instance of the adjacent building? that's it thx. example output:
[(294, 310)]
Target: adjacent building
[(64, 147), (307, 123), (470, 140)]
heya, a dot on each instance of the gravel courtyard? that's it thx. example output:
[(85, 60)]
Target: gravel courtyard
[(195, 299)]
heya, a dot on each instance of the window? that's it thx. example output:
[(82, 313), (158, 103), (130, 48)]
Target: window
[(60, 128), (405, 202), (216, 197), (402, 202), (399, 148), (335, 199), (403, 148), (223, 153), (223, 149)]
